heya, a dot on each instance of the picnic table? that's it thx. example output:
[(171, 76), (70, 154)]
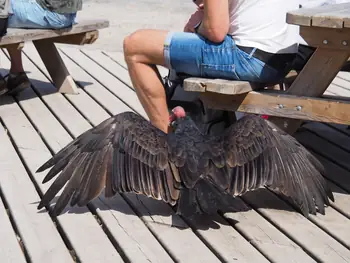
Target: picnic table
[(328, 29), (84, 32)]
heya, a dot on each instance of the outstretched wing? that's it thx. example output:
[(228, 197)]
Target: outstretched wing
[(124, 153), (258, 154)]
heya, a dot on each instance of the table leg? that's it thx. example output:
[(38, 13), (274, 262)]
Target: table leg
[(55, 66), (313, 80)]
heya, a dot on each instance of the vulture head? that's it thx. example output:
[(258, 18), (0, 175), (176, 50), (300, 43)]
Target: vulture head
[(177, 113), (176, 116)]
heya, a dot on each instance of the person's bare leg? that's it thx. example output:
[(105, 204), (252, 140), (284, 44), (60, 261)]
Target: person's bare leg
[(143, 50), (16, 60)]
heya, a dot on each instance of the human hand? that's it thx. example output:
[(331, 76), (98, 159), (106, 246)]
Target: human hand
[(199, 3)]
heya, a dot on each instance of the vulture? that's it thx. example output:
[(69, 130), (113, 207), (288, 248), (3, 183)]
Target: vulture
[(192, 171)]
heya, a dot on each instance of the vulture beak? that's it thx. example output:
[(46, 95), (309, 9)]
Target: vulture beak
[(172, 117), (177, 112)]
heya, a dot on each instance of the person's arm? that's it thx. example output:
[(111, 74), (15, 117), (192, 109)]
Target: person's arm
[(194, 21), (215, 23)]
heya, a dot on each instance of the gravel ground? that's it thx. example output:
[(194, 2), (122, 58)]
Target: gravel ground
[(126, 16)]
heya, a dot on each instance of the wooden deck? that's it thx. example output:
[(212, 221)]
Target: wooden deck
[(131, 228)]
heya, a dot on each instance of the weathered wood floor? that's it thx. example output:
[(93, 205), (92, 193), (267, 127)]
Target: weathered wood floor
[(131, 228)]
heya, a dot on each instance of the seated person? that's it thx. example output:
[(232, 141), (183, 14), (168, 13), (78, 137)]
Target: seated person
[(237, 39), (40, 14)]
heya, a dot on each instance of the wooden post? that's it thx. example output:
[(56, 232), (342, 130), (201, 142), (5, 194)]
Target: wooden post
[(318, 72), (55, 66)]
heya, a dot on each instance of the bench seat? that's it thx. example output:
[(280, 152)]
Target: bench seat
[(84, 32)]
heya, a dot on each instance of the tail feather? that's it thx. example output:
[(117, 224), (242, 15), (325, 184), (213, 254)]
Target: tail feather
[(204, 198)]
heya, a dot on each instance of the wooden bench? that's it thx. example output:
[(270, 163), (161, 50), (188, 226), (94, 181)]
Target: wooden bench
[(84, 32), (328, 29)]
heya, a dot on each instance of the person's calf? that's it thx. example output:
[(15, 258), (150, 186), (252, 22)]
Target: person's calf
[(143, 50), (16, 80), (16, 60)]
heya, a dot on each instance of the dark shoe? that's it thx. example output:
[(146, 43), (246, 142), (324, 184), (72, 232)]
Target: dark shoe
[(3, 86), (17, 83)]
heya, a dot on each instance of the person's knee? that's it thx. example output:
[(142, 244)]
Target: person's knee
[(131, 45)]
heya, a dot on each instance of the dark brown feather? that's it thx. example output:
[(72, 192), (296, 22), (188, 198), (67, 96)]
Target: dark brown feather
[(260, 154), (126, 153)]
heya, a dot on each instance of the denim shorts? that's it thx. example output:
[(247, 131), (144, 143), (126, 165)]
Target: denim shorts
[(194, 55), (29, 14)]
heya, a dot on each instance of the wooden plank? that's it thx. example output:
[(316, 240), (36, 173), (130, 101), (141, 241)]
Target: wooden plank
[(67, 111), (327, 38), (344, 84), (313, 80), (331, 19), (10, 250), (16, 35), (334, 173), (221, 86), (79, 39), (40, 236), (276, 246), (278, 104), (343, 202), (329, 133), (118, 57), (171, 230), (342, 128), (17, 46), (333, 153), (94, 89), (341, 195), (304, 16), (47, 91), (322, 246), (122, 91), (329, 138), (338, 176), (344, 75), (339, 91), (335, 226), (133, 237), (87, 244), (224, 239), (108, 65), (55, 66), (318, 73)]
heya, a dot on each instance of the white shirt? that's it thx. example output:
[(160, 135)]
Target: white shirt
[(262, 24)]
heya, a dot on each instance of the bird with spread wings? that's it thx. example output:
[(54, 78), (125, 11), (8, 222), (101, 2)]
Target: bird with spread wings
[(186, 168)]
